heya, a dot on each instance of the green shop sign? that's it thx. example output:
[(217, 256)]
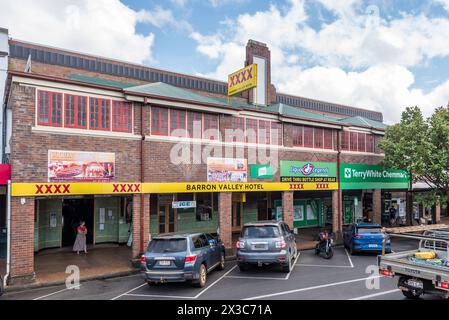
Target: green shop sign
[(362, 176), (300, 171), (261, 171)]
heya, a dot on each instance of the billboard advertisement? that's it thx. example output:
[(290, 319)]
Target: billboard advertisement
[(300, 171), (242, 80), (227, 170)]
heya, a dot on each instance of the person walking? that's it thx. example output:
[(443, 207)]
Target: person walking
[(392, 215), (80, 241)]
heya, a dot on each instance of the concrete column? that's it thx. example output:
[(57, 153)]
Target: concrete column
[(337, 216), (438, 212), (287, 208), (22, 240), (377, 206), (141, 224), (224, 220)]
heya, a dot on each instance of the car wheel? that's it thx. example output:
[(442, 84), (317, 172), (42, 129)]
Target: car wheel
[(410, 295), (152, 283), (221, 266), (202, 276), (351, 250), (243, 267)]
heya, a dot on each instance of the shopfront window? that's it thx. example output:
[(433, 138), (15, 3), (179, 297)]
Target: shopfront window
[(204, 206)]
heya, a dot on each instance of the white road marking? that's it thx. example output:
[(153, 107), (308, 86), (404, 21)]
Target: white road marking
[(256, 278), (375, 294), (310, 288), (294, 265), (215, 282), (129, 291), (349, 258), (322, 265), (51, 294), (158, 296)]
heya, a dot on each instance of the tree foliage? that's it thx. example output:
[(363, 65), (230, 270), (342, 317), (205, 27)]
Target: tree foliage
[(421, 147)]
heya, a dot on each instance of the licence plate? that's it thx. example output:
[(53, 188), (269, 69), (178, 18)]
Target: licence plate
[(372, 246), (164, 262), (260, 246), (415, 284)]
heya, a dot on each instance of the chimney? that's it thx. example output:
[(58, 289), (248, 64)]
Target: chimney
[(265, 93)]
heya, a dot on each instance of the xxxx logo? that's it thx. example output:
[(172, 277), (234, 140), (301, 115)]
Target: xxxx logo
[(126, 187), (52, 188), (322, 185), (296, 186), (240, 77)]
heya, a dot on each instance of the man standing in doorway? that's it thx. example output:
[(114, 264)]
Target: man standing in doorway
[(393, 212)]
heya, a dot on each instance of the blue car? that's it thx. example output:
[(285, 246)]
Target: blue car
[(365, 237), (182, 258)]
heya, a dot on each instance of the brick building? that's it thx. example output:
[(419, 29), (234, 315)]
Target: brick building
[(129, 148)]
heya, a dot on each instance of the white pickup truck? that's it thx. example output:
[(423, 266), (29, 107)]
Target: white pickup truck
[(417, 276)]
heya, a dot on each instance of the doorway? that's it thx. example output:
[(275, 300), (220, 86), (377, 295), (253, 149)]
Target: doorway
[(262, 210), (73, 212), (237, 216), (166, 218)]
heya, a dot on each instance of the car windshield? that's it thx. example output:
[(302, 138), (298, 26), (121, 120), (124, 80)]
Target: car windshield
[(369, 230), (260, 232), (167, 245)]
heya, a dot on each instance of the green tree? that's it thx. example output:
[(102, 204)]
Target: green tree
[(421, 147)]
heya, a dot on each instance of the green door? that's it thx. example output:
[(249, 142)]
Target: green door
[(49, 224), (107, 219)]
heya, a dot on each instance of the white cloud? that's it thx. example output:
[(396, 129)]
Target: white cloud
[(101, 27), (180, 3), (361, 59), (444, 3), (160, 17)]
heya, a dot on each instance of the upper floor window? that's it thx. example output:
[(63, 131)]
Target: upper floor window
[(238, 127), (344, 140), (263, 135), (210, 126), (122, 116), (308, 137), (75, 110), (251, 130), (100, 117), (49, 108), (194, 124), (276, 133), (353, 145), (177, 123), (297, 136), (159, 121), (328, 138), (318, 138)]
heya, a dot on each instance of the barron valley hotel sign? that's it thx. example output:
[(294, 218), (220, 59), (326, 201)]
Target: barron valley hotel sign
[(242, 80)]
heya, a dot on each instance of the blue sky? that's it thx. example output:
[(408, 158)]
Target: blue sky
[(381, 55)]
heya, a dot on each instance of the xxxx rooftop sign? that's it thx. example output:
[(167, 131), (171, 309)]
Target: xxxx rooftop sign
[(242, 80)]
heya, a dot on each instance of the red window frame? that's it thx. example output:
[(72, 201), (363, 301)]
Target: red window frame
[(344, 140), (328, 135), (75, 111), (361, 144), (48, 110), (276, 126), (308, 137), (177, 121), (251, 132), (318, 138), (298, 140), (238, 127), (159, 121), (122, 118), (99, 114), (264, 132), (353, 143), (370, 143), (210, 122), (192, 125)]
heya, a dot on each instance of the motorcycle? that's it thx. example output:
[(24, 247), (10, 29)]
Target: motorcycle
[(324, 246)]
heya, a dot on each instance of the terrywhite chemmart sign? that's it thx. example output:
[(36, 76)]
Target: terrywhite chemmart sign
[(361, 176)]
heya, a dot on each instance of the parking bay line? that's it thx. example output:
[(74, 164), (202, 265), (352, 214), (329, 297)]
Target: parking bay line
[(322, 266), (56, 292), (310, 288), (349, 258), (375, 294), (129, 291)]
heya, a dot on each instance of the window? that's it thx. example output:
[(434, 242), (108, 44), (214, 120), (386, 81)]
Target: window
[(308, 137), (263, 135), (100, 114), (353, 143), (328, 137), (297, 136), (238, 126), (49, 108), (177, 123), (344, 140), (122, 116), (75, 111), (318, 138), (194, 124), (370, 143), (251, 131), (276, 133), (159, 121), (361, 143), (210, 126)]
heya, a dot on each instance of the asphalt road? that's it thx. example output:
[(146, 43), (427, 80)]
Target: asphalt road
[(344, 277)]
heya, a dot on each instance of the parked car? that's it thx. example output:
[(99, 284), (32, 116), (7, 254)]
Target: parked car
[(264, 243), (1, 286), (185, 257), (366, 237)]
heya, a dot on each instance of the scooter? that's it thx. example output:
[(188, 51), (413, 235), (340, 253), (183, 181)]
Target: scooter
[(324, 246)]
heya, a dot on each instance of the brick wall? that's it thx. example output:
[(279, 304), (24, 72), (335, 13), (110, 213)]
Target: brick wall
[(287, 208), (224, 220), (22, 240)]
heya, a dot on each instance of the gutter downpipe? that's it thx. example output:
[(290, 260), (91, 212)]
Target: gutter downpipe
[(8, 241), (340, 195), (142, 178)]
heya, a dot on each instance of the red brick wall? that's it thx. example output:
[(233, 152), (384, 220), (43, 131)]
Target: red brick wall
[(287, 208), (225, 215), (22, 240), (140, 232)]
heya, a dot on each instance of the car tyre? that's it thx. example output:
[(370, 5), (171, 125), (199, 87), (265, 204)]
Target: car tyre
[(201, 283), (410, 295), (221, 266), (243, 267), (152, 283), (288, 267), (351, 250)]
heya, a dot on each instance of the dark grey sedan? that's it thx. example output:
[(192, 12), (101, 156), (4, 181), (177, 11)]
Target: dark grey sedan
[(187, 257), (266, 242)]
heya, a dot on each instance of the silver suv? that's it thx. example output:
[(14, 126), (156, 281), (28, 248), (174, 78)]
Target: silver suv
[(264, 243)]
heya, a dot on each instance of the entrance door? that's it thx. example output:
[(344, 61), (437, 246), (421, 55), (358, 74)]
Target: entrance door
[(166, 218), (74, 211), (262, 210), (237, 216), (49, 224)]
